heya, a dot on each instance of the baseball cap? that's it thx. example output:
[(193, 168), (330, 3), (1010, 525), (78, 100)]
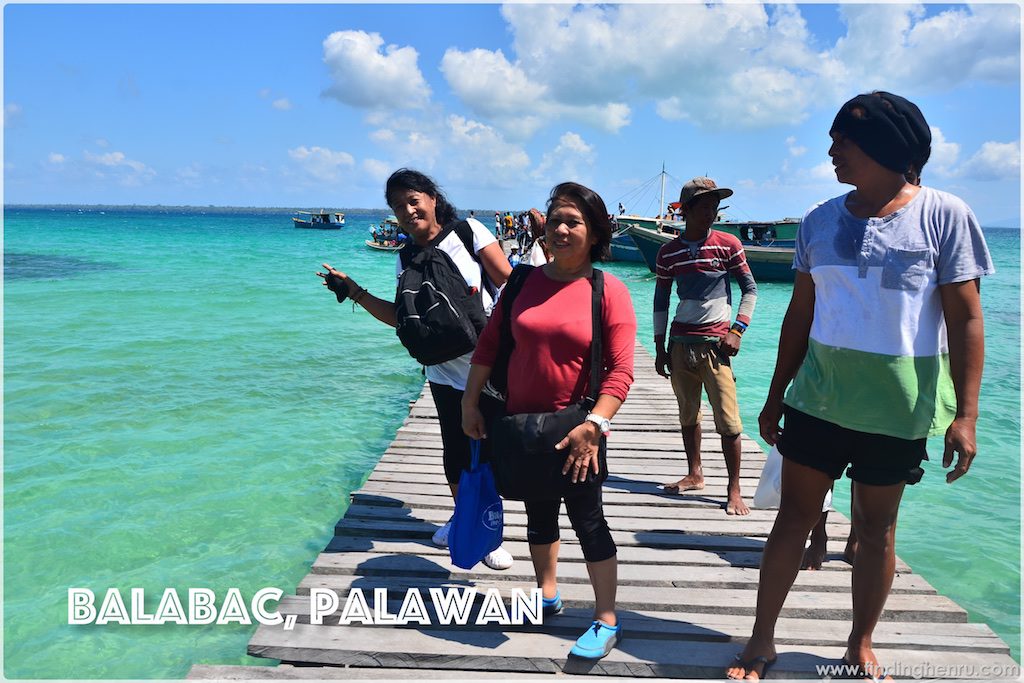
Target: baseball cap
[(701, 186)]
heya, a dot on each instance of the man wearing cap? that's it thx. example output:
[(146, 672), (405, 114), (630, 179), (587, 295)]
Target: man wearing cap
[(882, 345), (703, 337)]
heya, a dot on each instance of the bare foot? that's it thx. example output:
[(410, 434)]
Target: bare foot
[(814, 556), (753, 663), (691, 482), (850, 552), (735, 505), (862, 663)]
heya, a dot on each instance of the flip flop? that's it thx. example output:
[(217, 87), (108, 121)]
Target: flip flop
[(674, 488), (748, 666)]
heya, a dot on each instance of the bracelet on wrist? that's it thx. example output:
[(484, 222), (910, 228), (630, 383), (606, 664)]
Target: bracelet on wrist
[(358, 296), (738, 333)]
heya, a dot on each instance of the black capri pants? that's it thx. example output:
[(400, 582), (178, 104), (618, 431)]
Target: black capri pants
[(454, 441), (586, 514)]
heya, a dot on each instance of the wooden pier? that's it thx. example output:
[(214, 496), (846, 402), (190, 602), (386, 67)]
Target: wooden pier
[(687, 578)]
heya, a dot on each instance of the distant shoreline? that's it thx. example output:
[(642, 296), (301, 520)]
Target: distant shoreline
[(188, 208)]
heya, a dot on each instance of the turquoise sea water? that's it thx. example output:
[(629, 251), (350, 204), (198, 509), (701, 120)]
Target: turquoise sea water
[(185, 406)]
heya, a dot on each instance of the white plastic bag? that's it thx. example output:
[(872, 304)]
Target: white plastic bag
[(769, 488)]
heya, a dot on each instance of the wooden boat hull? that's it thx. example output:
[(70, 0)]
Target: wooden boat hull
[(299, 223), (382, 247), (624, 248)]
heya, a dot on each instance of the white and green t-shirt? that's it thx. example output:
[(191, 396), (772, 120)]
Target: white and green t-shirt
[(877, 358)]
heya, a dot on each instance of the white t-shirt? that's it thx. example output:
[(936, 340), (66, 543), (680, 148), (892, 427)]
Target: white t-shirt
[(455, 372)]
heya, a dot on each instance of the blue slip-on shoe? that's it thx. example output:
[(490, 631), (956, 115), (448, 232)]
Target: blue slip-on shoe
[(552, 606), (598, 641)]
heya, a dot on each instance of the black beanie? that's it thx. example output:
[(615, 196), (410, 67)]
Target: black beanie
[(888, 128)]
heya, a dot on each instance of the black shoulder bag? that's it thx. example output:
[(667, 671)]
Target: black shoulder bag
[(525, 462)]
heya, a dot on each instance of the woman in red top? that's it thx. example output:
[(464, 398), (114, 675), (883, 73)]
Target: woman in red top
[(551, 325)]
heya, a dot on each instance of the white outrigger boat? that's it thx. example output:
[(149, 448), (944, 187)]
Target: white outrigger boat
[(319, 220)]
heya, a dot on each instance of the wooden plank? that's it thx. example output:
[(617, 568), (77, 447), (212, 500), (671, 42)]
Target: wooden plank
[(570, 552), (374, 564), (611, 494), (673, 626), (625, 532), (800, 603), (655, 470), (620, 516), (225, 672), (543, 652), (633, 484), (687, 576)]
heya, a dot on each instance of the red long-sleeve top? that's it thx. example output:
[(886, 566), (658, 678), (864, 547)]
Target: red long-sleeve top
[(550, 364)]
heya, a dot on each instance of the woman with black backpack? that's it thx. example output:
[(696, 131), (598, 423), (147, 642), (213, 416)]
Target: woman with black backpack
[(440, 246)]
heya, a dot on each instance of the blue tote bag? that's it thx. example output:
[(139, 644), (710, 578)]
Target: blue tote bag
[(478, 524)]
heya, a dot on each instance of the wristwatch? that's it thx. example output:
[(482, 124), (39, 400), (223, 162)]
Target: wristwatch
[(603, 423)]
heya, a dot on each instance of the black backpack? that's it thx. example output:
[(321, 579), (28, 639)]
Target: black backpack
[(439, 316)]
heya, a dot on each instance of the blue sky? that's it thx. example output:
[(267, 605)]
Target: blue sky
[(314, 105)]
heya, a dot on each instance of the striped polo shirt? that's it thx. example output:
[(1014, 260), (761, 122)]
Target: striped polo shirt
[(877, 358), (700, 273)]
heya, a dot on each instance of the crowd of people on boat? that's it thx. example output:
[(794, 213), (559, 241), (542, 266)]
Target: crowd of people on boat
[(388, 235), (881, 346)]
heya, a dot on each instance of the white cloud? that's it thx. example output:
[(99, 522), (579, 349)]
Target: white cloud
[(944, 154), (732, 65), (12, 114), (483, 149), (322, 164), (282, 104), (117, 166), (795, 149), (503, 93), (823, 171), (102, 143), (994, 161), (376, 169), (56, 158), (571, 159), (720, 66), (382, 135), (366, 73), (191, 176), (458, 150), (264, 93), (898, 47)]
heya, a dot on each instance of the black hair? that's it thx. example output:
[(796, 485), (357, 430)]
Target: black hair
[(408, 179), (594, 212)]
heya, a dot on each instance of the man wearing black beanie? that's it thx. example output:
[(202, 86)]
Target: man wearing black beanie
[(888, 128), (882, 345)]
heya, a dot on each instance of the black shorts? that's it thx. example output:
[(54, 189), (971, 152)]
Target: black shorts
[(586, 514), (456, 457), (874, 459)]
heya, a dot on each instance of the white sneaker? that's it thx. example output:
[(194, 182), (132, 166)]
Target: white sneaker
[(440, 537), (499, 558)]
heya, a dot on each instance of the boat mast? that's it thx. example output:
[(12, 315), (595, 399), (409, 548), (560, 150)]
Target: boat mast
[(662, 188)]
